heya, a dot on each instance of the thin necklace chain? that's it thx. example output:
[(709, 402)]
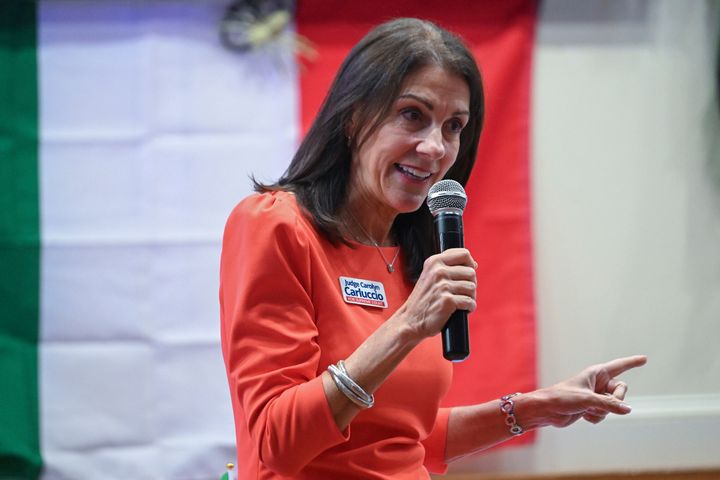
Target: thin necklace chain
[(390, 265)]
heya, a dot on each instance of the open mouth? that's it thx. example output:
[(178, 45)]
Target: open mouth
[(413, 173)]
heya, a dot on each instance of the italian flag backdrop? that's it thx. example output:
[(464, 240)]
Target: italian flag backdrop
[(127, 134)]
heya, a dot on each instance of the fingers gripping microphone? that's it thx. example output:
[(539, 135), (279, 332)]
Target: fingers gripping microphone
[(446, 201)]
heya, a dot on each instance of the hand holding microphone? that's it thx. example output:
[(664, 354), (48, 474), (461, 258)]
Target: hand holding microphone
[(446, 201), (445, 291)]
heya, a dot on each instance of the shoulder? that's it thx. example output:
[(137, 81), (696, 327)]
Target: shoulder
[(268, 214), (268, 206)]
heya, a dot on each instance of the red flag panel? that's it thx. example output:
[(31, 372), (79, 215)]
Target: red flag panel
[(497, 220)]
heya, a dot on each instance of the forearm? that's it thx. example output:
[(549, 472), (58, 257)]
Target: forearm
[(447, 283), (478, 427), (474, 428), (370, 364)]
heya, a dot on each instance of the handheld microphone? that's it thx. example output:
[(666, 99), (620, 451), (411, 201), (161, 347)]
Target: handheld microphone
[(446, 201)]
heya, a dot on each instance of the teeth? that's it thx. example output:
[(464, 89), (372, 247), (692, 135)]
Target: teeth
[(415, 173)]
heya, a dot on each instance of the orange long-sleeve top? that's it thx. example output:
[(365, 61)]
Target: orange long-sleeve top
[(284, 319)]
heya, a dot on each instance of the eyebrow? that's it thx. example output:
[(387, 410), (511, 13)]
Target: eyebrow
[(428, 104)]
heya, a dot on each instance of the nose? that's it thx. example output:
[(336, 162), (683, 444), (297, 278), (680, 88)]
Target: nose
[(432, 144)]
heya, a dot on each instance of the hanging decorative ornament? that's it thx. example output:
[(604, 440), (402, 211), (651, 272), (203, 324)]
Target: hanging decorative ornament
[(250, 24)]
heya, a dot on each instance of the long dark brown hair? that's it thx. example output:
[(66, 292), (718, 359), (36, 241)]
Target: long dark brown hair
[(364, 90)]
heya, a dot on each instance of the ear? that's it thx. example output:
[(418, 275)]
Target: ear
[(351, 127), (351, 131)]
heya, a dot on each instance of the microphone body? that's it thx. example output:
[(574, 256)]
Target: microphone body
[(446, 208)]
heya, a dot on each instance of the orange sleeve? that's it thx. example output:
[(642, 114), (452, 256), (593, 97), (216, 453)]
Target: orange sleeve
[(269, 336), (435, 443)]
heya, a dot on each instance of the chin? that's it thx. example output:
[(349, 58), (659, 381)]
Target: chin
[(409, 204)]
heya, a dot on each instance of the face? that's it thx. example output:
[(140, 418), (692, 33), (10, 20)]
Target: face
[(414, 146)]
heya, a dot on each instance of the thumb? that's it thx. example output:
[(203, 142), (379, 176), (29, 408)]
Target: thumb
[(610, 404)]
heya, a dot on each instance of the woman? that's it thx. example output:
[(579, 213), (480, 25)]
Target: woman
[(331, 299)]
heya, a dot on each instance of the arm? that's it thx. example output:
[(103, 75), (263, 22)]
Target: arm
[(447, 283), (268, 338), (591, 394), (435, 443)]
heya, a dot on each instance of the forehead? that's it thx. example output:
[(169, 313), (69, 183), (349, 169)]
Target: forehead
[(438, 83)]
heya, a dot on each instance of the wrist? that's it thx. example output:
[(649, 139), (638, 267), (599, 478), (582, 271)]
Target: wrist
[(507, 408), (526, 411), (402, 328)]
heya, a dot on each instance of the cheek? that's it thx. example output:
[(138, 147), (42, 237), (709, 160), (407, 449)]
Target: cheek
[(450, 160)]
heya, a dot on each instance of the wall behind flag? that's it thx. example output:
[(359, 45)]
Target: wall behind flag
[(627, 229)]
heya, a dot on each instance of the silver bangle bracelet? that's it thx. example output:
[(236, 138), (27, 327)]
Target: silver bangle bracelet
[(351, 384), (507, 406), (354, 392), (349, 394)]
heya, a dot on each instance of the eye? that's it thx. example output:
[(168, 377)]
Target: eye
[(455, 126), (412, 114)]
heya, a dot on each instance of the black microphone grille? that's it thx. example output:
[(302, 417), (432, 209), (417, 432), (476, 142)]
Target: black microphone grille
[(446, 194)]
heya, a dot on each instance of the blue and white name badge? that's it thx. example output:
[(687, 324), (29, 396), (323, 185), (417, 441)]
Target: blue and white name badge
[(363, 292)]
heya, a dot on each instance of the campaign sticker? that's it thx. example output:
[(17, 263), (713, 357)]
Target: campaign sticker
[(363, 292)]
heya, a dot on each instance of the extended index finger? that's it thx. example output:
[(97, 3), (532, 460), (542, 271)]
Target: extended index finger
[(620, 365)]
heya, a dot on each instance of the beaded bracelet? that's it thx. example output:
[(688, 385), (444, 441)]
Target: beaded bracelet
[(507, 406), (354, 392)]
